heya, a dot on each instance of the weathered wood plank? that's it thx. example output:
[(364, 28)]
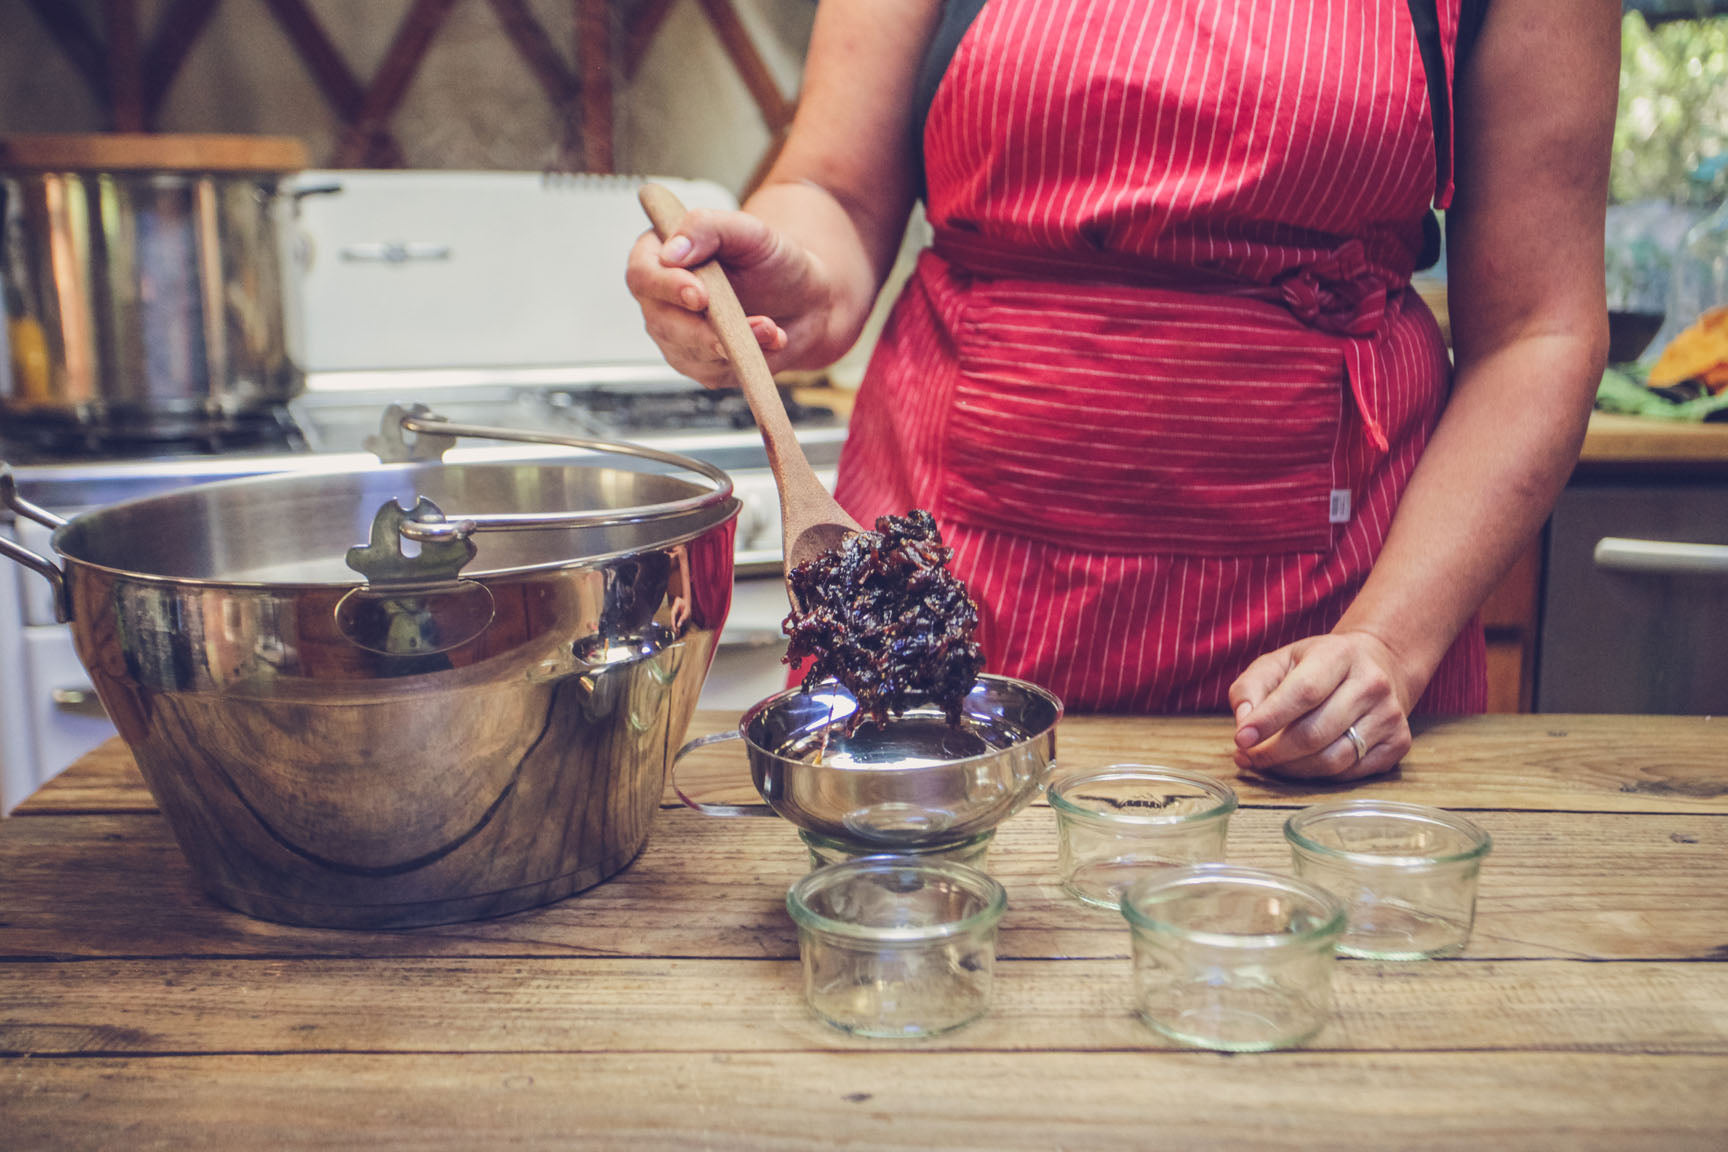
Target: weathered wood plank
[(1576, 763), (888, 1100), (106, 779), (1568, 763), (110, 1007), (1557, 885)]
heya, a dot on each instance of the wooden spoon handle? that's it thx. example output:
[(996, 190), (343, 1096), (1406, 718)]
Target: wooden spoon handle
[(730, 323)]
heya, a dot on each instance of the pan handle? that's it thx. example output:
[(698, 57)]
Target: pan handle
[(10, 497), (49, 570), (702, 805)]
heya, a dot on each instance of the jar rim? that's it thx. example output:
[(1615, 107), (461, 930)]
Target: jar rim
[(1478, 841), (1224, 797), (979, 884), (1329, 923)]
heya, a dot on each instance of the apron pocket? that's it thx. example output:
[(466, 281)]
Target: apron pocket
[(1131, 419)]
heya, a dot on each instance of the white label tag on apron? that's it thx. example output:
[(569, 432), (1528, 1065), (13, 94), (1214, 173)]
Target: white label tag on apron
[(1338, 511)]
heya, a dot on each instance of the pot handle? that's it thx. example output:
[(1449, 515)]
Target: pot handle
[(703, 806), (49, 570)]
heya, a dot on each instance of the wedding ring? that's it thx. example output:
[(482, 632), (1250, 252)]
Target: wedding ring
[(1356, 742)]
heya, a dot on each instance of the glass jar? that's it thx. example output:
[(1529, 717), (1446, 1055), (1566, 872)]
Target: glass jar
[(1118, 822), (897, 947), (1233, 959), (1406, 873)]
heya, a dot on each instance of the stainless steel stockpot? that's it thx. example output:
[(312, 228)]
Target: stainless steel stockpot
[(143, 280), (476, 728)]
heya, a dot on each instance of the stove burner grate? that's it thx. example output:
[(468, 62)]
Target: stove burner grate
[(622, 410), (30, 438)]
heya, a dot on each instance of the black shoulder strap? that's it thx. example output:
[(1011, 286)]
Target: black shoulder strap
[(1469, 23), (957, 17), (1424, 16), (1426, 19)]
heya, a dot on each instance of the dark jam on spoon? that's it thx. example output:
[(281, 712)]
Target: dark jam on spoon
[(885, 616)]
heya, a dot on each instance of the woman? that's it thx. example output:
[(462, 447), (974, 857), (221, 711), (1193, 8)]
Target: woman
[(1161, 377)]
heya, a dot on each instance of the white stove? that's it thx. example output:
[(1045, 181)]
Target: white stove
[(492, 298)]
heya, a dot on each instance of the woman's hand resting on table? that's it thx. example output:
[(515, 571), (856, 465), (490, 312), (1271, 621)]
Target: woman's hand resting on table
[(1296, 707), (777, 281)]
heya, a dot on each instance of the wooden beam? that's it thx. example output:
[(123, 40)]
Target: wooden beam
[(594, 56), (176, 32), (765, 164), (775, 108), (532, 43), (76, 42), (125, 75), (640, 28), (341, 88), (390, 83), (321, 57)]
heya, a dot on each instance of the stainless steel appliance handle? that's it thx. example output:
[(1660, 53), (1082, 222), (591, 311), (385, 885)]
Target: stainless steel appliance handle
[(435, 435), (1619, 554), (17, 553), (394, 252), (80, 701)]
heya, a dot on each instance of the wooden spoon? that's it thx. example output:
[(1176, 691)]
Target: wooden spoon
[(811, 520)]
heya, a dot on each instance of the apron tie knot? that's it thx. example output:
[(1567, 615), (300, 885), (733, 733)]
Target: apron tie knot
[(1341, 292)]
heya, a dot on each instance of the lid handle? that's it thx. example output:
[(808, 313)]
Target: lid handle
[(435, 435)]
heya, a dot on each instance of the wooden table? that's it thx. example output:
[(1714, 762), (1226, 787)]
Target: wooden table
[(663, 1009)]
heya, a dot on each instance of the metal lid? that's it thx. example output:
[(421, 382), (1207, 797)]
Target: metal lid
[(151, 152)]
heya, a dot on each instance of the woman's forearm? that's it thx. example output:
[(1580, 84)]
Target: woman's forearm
[(847, 261), (1529, 320), (1503, 450), (842, 187)]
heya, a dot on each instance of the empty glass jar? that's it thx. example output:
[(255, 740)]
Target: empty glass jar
[(1406, 873), (897, 946), (1119, 822), (1233, 959)]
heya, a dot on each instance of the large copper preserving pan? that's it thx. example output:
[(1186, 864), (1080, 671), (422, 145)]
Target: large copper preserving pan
[(143, 281), (340, 733)]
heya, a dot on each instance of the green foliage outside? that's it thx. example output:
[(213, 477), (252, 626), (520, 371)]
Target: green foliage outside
[(1671, 135)]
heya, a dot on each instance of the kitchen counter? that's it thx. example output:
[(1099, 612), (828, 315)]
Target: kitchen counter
[(663, 1009), (1617, 441)]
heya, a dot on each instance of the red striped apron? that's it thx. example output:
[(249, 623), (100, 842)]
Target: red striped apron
[(1161, 378)]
